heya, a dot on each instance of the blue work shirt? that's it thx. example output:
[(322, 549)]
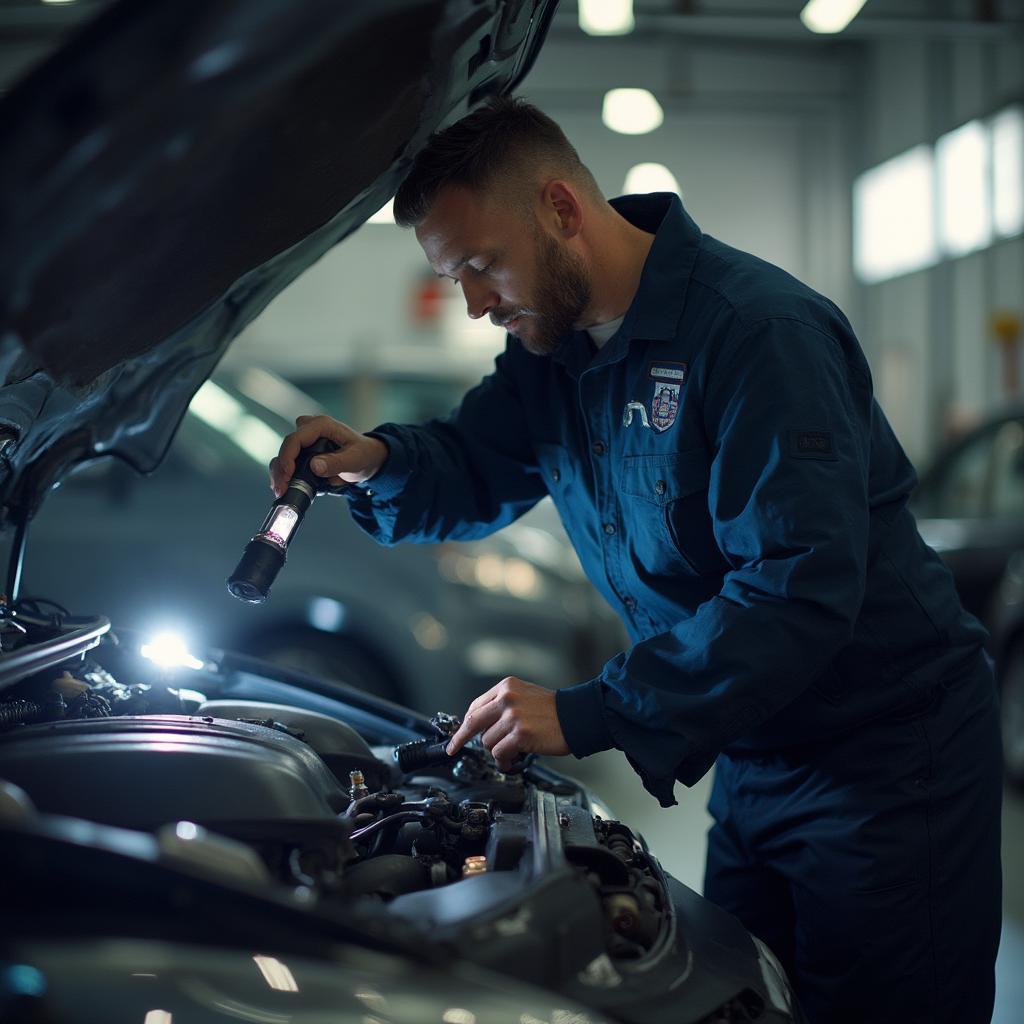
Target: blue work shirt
[(731, 487)]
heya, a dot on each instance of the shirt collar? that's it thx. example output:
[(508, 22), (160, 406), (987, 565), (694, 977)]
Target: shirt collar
[(656, 308)]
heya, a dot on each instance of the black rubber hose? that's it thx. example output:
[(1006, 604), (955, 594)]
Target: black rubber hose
[(400, 818)]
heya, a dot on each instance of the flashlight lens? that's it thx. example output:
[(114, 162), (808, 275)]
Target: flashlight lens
[(246, 591)]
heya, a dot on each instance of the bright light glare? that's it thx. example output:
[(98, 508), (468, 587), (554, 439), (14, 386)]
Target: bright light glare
[(650, 178), (894, 217), (276, 974), (631, 111), (256, 438), (830, 15), (168, 650), (215, 407), (965, 218), (385, 215), (154, 1016), (521, 579), (457, 1015), (490, 572), (1008, 171), (606, 17), (326, 614), (186, 831)]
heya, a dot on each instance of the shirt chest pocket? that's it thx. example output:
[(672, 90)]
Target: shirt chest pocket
[(665, 512)]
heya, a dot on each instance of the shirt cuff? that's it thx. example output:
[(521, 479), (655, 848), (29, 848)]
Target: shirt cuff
[(389, 481), (581, 717)]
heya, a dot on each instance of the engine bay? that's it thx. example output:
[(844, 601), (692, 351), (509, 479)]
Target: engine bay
[(315, 805)]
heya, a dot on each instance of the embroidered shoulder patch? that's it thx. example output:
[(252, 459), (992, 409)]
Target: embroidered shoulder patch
[(812, 444)]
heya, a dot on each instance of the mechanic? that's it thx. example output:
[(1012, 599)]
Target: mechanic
[(706, 427)]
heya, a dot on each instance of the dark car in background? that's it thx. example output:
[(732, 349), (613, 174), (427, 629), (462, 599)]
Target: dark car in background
[(427, 625), (970, 508)]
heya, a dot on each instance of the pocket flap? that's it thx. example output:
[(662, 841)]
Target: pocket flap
[(665, 477)]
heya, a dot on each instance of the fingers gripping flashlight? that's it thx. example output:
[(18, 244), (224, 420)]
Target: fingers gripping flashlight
[(266, 552)]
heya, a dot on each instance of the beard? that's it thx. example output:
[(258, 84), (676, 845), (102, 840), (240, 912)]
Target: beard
[(563, 293)]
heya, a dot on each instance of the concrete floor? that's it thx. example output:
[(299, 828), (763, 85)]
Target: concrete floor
[(677, 836)]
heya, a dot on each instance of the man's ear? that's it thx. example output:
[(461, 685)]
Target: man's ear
[(563, 201)]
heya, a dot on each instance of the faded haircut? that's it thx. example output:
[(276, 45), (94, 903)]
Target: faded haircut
[(500, 144)]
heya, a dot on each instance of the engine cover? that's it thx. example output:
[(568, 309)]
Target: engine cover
[(141, 772)]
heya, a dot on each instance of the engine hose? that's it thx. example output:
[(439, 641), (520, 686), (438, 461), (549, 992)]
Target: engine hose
[(14, 711), (392, 819)]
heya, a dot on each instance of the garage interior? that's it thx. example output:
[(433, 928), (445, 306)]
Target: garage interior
[(882, 164)]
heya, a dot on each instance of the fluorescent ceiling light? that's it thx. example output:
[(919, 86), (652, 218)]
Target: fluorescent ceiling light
[(965, 209), (256, 438), (631, 111), (606, 17), (213, 405), (827, 16), (650, 178), (894, 217), (1008, 171), (276, 974), (385, 215)]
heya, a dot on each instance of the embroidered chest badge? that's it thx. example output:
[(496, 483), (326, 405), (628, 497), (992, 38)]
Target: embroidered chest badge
[(669, 379)]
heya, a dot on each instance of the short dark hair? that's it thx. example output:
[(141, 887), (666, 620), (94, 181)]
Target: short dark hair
[(497, 143)]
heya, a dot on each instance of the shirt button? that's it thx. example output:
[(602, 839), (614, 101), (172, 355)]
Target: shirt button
[(556, 475), (659, 487), (609, 528), (369, 492), (599, 448), (630, 603)]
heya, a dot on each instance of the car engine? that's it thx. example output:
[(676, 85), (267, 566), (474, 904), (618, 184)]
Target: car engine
[(439, 844)]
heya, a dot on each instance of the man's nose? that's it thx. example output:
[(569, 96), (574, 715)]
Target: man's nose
[(480, 298)]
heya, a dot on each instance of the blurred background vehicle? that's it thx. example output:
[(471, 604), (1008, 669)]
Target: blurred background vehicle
[(970, 508), (427, 625)]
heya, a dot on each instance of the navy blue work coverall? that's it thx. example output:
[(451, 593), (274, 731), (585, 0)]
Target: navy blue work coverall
[(736, 494)]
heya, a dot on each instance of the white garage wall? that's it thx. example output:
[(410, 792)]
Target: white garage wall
[(757, 141), (929, 334)]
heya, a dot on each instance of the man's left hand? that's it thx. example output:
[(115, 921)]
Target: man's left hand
[(512, 718)]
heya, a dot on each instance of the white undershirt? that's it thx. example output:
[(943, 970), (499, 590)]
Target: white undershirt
[(600, 334)]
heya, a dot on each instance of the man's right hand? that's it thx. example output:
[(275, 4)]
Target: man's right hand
[(357, 459)]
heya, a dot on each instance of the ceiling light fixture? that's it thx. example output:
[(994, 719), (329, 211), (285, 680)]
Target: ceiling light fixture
[(650, 178), (606, 17), (631, 111), (830, 16)]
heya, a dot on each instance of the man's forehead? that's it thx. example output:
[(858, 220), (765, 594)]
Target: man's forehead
[(460, 224)]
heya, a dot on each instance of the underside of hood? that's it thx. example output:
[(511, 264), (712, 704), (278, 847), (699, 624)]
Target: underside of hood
[(175, 166)]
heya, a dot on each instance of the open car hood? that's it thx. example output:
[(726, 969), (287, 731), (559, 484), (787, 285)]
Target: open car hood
[(175, 166)]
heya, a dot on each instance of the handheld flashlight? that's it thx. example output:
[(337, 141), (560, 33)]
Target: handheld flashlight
[(266, 552)]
